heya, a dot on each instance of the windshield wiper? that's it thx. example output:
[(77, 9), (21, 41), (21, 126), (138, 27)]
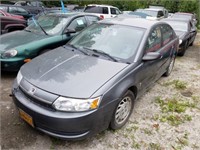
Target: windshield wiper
[(78, 49), (37, 23), (103, 53)]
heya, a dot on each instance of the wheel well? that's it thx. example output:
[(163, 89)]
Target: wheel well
[(134, 90)]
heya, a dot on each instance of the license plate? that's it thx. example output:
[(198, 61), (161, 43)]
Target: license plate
[(26, 117)]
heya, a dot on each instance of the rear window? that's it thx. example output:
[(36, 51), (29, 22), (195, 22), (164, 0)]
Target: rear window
[(96, 9)]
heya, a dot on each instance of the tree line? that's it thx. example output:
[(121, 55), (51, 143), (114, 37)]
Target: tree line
[(192, 6)]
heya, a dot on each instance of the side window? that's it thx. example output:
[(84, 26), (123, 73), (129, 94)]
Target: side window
[(78, 24), (113, 11), (167, 33), (21, 10), (92, 19), (154, 41), (13, 10), (160, 14), (3, 8), (105, 10)]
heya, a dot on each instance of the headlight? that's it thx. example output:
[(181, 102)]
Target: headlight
[(180, 41), (19, 77), (75, 105), (9, 53)]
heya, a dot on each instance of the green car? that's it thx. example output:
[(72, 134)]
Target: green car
[(44, 34)]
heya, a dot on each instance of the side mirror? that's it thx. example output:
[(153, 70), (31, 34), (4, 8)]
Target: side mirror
[(151, 56), (69, 31)]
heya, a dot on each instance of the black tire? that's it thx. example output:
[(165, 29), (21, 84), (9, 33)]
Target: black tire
[(123, 111), (170, 67), (192, 43), (182, 53)]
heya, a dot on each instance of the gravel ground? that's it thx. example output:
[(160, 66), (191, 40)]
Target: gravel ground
[(167, 117)]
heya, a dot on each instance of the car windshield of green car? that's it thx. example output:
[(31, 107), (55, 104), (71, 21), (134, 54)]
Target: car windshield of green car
[(118, 41), (52, 25)]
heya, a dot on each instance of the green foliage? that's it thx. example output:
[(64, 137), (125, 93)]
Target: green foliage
[(192, 6)]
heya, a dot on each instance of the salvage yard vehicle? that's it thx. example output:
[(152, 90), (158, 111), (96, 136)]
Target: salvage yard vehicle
[(104, 11), (2, 13), (190, 16), (185, 30), (9, 24), (16, 10), (90, 84), (46, 33)]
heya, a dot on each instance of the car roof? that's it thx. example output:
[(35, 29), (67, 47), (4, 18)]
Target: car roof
[(183, 13), (135, 22), (154, 9), (177, 19), (70, 14)]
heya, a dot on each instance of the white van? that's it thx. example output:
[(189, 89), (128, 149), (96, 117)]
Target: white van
[(103, 11)]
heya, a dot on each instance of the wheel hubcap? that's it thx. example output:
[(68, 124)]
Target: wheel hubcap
[(123, 110)]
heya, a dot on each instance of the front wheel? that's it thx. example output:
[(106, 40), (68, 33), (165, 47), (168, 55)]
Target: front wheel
[(123, 111)]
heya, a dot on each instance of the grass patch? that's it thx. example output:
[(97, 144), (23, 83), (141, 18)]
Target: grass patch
[(154, 146), (178, 84), (175, 119), (173, 111), (174, 105)]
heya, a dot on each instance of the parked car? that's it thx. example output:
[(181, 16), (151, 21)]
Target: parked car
[(47, 33), (91, 83), (104, 11), (185, 30), (3, 13), (190, 16), (15, 10), (9, 24), (154, 13), (33, 7), (134, 14)]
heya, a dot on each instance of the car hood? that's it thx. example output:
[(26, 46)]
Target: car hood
[(18, 38), (67, 73), (180, 34)]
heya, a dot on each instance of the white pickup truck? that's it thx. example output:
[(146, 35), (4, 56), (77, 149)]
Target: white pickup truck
[(103, 11)]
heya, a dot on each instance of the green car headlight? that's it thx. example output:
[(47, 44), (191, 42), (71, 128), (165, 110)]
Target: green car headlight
[(9, 53), (76, 105)]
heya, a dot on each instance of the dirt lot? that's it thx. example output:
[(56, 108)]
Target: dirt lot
[(167, 117)]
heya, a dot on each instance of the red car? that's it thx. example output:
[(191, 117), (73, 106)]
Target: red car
[(3, 13), (9, 24)]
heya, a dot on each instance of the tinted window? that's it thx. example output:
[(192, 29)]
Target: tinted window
[(96, 9), (154, 40), (113, 11), (3, 8), (78, 24), (17, 10), (167, 33), (160, 14), (1, 14), (92, 19)]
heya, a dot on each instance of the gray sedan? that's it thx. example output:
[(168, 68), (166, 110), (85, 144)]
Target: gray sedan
[(91, 83)]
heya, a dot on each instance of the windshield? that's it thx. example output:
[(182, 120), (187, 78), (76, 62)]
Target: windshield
[(178, 25), (52, 25), (118, 41), (148, 12)]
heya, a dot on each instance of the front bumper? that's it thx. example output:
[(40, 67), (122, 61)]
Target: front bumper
[(65, 125), (11, 65)]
